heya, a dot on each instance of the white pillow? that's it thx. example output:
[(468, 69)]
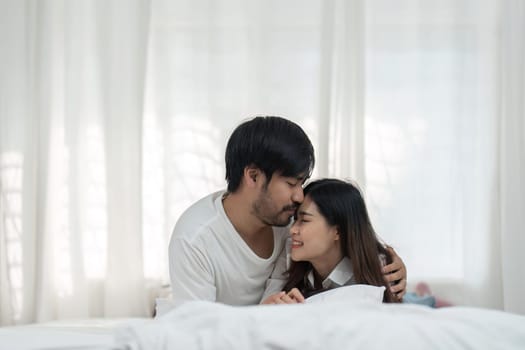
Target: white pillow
[(356, 292)]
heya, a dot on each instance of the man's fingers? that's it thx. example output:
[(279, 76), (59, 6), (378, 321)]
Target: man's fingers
[(401, 294), (399, 287), (390, 268), (395, 276), (395, 265)]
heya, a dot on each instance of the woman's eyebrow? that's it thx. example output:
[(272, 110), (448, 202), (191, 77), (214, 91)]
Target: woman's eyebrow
[(302, 212)]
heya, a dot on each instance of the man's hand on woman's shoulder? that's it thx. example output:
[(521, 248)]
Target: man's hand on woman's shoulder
[(396, 274)]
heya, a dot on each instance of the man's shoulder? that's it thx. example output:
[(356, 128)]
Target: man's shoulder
[(198, 218)]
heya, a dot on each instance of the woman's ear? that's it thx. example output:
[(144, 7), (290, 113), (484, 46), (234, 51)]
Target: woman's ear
[(337, 236)]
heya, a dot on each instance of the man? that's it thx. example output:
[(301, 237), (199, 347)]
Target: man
[(225, 247)]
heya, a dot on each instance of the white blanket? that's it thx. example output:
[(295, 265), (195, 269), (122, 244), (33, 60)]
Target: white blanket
[(362, 324), (325, 322)]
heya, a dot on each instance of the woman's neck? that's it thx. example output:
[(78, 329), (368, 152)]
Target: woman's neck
[(325, 265)]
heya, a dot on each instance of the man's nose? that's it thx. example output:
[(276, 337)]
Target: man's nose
[(298, 195)]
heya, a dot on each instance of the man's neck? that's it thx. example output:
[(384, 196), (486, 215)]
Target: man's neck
[(239, 212), (257, 235)]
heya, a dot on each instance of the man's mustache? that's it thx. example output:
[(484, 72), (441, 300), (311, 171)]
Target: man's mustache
[(291, 207)]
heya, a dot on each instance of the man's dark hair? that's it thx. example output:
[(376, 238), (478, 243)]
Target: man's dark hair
[(270, 144)]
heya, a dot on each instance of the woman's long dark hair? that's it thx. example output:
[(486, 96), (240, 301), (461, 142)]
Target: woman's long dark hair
[(342, 205)]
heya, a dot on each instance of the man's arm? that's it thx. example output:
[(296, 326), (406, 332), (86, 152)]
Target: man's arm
[(396, 274), (278, 277), (190, 273), (274, 293)]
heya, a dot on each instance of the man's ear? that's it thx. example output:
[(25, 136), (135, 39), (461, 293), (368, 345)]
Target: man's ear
[(252, 175)]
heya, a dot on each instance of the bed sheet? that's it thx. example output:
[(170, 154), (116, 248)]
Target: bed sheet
[(93, 334)]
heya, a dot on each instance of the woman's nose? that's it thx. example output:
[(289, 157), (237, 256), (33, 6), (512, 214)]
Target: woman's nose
[(294, 230)]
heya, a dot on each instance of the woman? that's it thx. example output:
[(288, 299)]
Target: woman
[(334, 243)]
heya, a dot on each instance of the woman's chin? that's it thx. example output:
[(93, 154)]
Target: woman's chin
[(296, 257)]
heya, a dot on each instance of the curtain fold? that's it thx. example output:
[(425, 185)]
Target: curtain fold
[(341, 92), (126, 43), (512, 154), (76, 230)]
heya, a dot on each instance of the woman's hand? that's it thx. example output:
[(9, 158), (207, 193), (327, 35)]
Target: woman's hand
[(292, 297), (396, 274)]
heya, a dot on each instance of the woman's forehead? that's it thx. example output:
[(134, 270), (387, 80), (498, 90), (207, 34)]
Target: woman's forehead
[(308, 206)]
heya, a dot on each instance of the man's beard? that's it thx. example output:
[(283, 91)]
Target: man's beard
[(263, 209)]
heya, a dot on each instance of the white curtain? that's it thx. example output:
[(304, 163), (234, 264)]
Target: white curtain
[(114, 117), (72, 96), (511, 156)]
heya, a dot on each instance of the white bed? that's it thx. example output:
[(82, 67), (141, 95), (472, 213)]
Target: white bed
[(328, 323), (96, 334)]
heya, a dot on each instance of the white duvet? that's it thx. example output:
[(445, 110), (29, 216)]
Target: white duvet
[(324, 322), (330, 324)]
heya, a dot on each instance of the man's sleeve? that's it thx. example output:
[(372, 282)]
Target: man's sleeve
[(190, 273), (278, 277)]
